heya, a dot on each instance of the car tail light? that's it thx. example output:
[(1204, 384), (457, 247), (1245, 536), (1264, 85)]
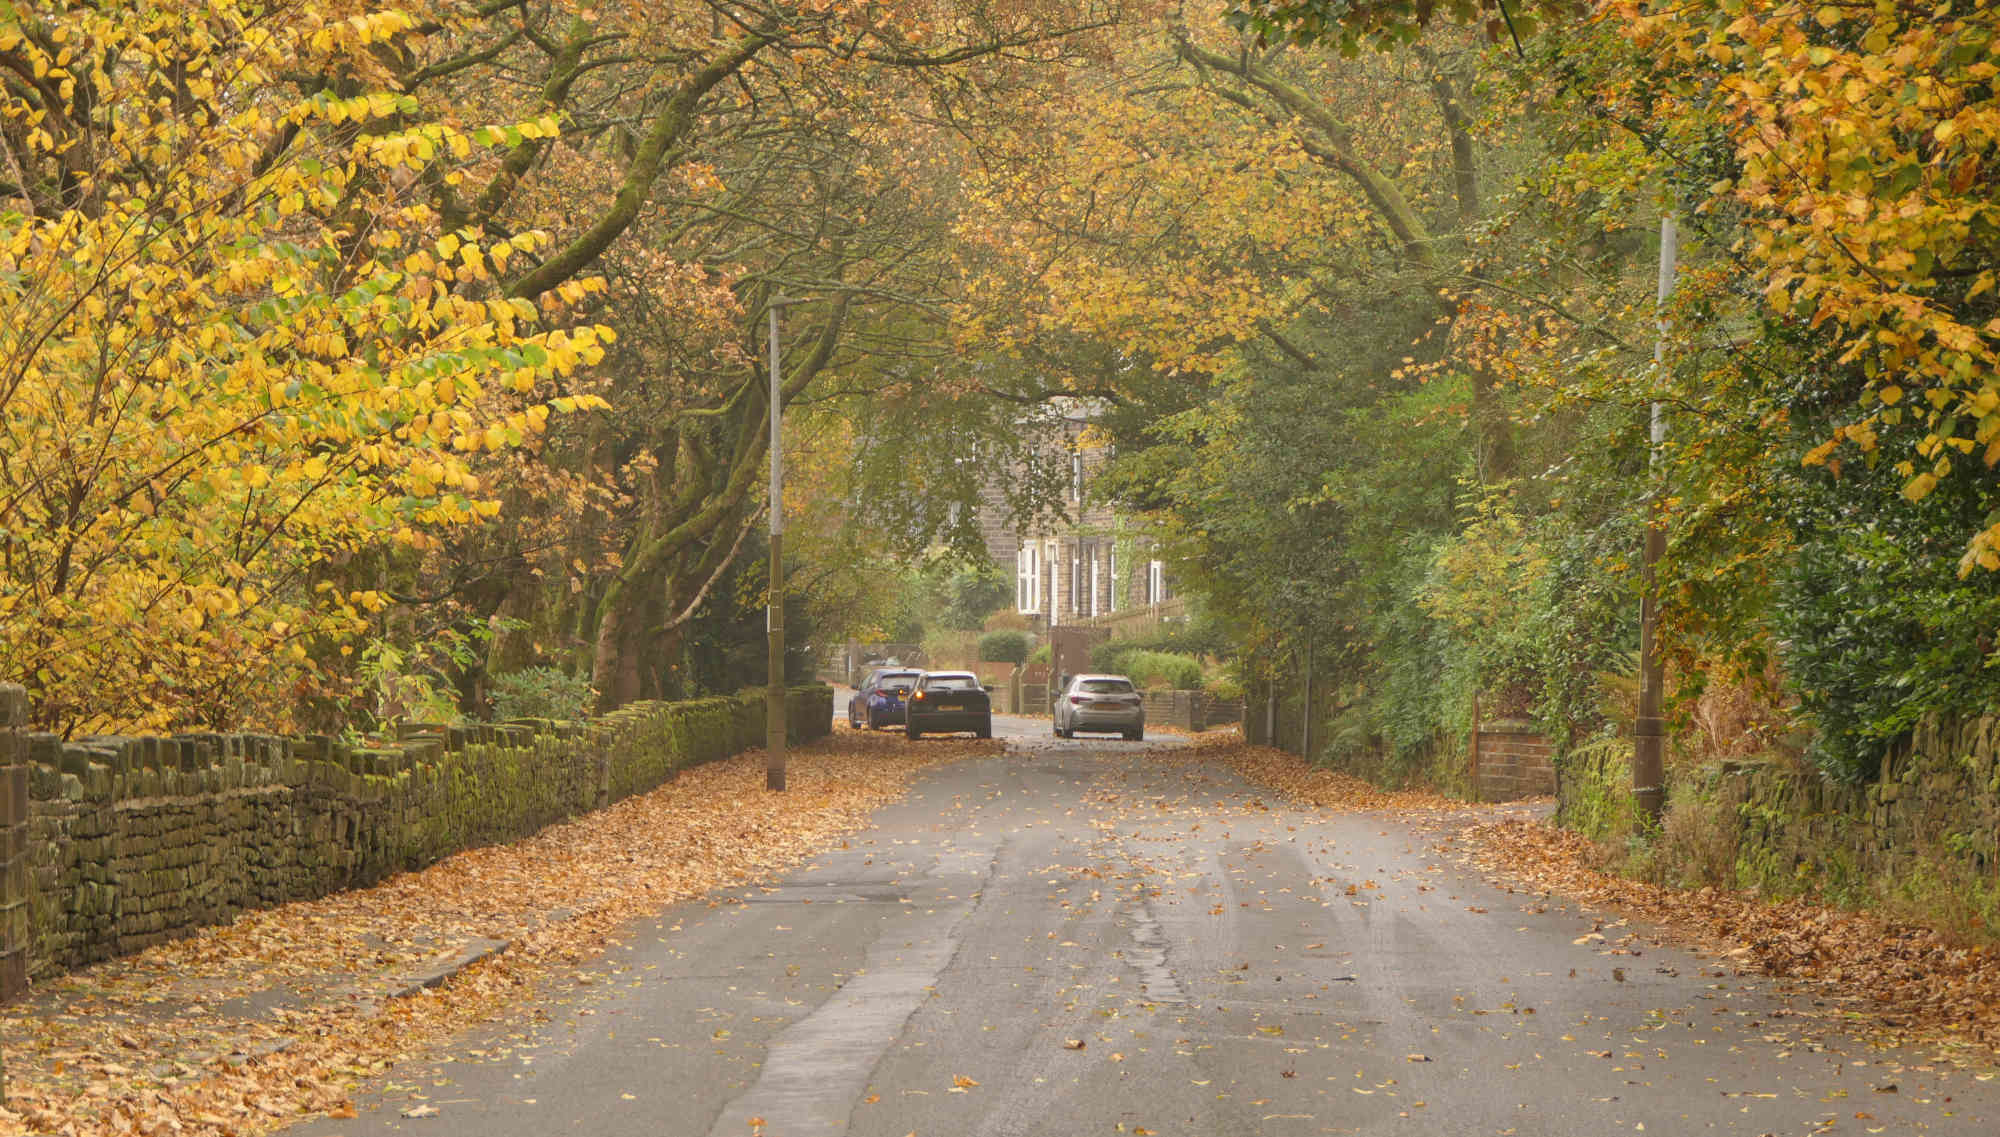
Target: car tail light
[(1078, 700), (918, 695)]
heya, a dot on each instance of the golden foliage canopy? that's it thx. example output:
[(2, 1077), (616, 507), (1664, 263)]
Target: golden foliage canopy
[(237, 349)]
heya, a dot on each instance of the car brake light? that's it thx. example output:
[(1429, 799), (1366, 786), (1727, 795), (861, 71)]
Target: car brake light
[(1077, 700), (918, 695)]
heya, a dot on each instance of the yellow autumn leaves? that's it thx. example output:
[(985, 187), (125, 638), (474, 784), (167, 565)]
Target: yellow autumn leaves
[(1863, 143), (238, 358), (1149, 221)]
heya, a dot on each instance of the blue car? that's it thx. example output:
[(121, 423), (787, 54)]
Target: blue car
[(883, 699)]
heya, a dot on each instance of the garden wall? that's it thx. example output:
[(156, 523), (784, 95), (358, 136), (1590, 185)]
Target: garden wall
[(132, 841), (1512, 760), (1929, 825), (1922, 839), (1191, 710)]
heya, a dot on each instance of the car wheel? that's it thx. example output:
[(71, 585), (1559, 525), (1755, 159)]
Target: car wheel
[(1135, 735), (871, 718), (986, 731), (912, 732)]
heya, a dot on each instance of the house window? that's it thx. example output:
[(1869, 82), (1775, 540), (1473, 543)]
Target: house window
[(1156, 581), (1076, 477), (1113, 606), (1051, 557), (1028, 579), (1076, 577), (1096, 581)]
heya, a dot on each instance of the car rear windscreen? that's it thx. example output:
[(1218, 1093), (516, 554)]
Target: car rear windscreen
[(1106, 686), (951, 683)]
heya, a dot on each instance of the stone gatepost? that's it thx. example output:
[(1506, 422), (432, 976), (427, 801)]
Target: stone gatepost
[(13, 849)]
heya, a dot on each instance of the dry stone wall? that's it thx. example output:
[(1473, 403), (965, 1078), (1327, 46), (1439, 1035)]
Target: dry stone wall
[(14, 933), (1930, 820), (1920, 840), (131, 841)]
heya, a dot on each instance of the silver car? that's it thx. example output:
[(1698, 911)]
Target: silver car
[(1103, 703)]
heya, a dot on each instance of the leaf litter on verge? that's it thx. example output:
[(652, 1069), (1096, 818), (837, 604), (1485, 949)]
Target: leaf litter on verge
[(1912, 981)]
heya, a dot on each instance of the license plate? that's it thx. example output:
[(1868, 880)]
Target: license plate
[(1107, 706), (950, 706)]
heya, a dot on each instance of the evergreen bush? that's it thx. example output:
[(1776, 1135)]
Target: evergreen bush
[(1004, 647)]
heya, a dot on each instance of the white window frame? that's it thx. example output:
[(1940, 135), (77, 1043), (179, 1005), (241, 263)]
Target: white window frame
[(1096, 563), (1113, 606), (1053, 577), (1156, 581), (1027, 578), (1075, 578)]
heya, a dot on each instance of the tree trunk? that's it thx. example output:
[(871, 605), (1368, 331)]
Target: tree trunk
[(615, 662)]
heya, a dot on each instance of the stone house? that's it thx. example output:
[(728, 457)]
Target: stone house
[(1082, 569)]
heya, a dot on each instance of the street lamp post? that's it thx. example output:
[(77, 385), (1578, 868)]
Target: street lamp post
[(774, 683), (1649, 740)]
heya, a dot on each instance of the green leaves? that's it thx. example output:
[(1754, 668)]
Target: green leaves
[(1382, 25)]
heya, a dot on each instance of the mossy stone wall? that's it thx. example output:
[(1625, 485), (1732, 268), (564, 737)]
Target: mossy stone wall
[(1925, 832), (132, 841), (1921, 840)]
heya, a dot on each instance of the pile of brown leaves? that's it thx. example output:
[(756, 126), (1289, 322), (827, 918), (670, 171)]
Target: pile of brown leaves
[(1905, 980), (154, 1044), (1313, 786)]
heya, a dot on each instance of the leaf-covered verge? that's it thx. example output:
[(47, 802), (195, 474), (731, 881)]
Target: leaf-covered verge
[(1898, 982), (1314, 787), (144, 1045)]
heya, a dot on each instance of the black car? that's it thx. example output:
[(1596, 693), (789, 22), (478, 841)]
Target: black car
[(948, 701)]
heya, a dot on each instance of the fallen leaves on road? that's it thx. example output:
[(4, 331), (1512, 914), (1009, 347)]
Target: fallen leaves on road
[(1314, 786), (280, 1014), (1912, 979)]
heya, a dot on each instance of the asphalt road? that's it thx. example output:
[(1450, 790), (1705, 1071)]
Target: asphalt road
[(1096, 937)]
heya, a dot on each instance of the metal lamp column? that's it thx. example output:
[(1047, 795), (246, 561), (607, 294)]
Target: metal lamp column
[(774, 683)]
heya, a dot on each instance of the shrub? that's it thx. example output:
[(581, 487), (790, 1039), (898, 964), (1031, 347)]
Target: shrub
[(1004, 647), (967, 598), (1041, 654), (946, 648), (1006, 620), (1881, 633), (541, 693), (1163, 669), (1188, 640), (1109, 657)]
